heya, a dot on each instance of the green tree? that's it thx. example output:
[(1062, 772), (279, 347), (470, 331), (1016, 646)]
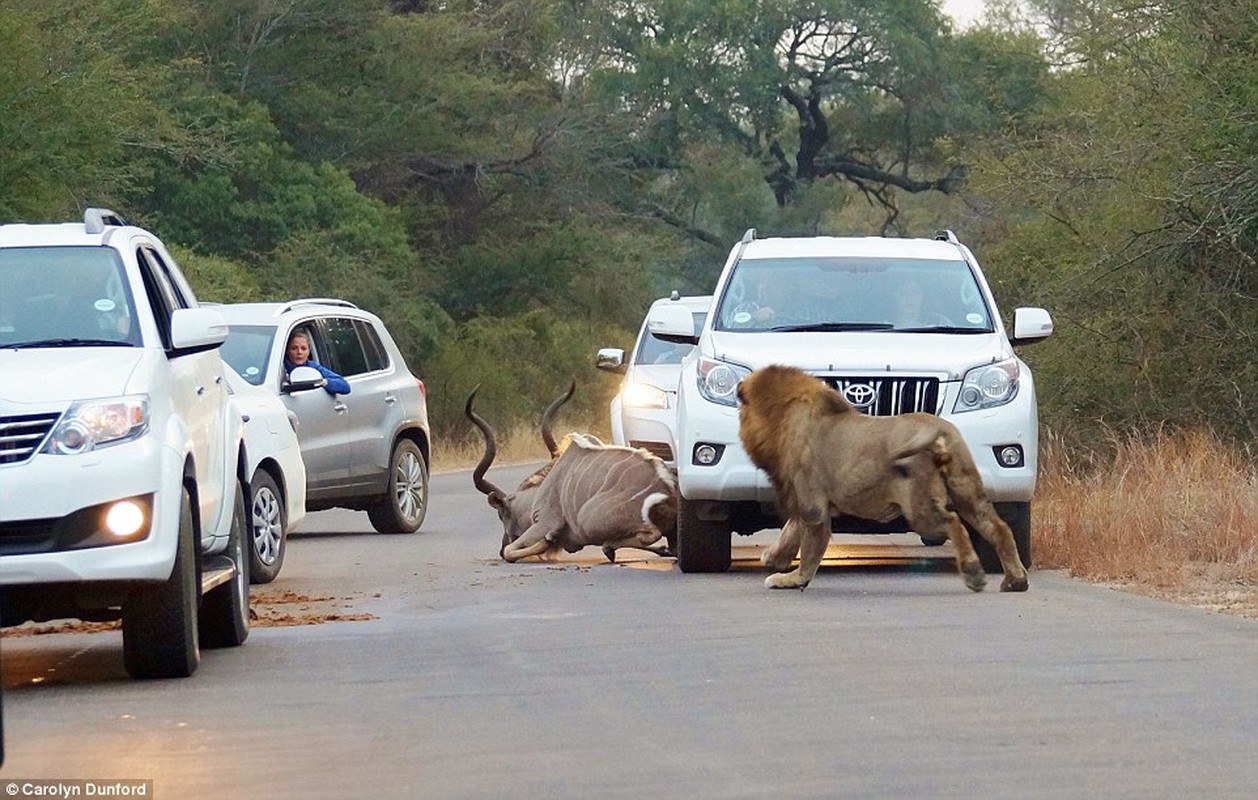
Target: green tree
[(1132, 212)]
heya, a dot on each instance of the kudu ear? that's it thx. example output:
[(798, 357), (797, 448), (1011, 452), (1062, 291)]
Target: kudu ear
[(497, 499)]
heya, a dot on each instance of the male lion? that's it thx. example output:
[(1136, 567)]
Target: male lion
[(825, 459)]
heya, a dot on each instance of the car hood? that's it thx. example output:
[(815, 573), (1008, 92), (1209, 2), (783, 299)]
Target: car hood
[(946, 356), (62, 374), (662, 375)]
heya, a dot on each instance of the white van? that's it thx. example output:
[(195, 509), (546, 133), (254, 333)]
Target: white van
[(895, 325)]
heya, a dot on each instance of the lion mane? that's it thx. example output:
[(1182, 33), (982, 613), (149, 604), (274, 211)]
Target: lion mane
[(825, 459)]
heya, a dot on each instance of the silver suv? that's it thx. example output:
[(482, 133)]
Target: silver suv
[(368, 450), (122, 461)]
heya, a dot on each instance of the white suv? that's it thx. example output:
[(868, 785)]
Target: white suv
[(644, 411), (368, 450), (895, 325), (121, 455)]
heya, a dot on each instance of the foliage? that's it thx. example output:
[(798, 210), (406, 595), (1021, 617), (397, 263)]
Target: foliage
[(510, 183), (1131, 211)]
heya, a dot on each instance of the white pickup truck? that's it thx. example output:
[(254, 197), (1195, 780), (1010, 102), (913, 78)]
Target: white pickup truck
[(896, 325), (122, 463)]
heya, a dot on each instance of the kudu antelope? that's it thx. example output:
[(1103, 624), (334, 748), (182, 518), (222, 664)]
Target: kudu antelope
[(588, 494)]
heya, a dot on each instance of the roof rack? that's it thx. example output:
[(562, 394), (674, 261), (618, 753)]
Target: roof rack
[(313, 301), (946, 235), (749, 236), (95, 219)]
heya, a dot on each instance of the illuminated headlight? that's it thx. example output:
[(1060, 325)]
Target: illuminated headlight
[(988, 386), (90, 424), (719, 380), (643, 395)]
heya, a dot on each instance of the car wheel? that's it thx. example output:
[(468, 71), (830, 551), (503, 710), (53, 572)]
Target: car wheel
[(225, 608), (703, 545), (269, 526), (406, 502), (1018, 517), (159, 623)]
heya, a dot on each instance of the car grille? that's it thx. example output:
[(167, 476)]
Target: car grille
[(887, 397), (661, 450), (22, 434)]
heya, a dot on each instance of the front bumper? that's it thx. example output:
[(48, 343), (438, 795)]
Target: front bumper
[(734, 478), (47, 489)]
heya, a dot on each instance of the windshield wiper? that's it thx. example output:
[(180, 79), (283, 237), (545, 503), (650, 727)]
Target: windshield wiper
[(834, 326), (942, 329), (68, 343)]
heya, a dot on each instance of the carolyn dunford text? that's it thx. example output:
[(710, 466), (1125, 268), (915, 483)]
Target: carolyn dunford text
[(77, 788)]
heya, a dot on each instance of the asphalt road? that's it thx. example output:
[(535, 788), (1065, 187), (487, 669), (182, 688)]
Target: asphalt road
[(453, 675)]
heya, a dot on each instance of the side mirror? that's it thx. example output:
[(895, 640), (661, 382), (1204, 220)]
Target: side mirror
[(1030, 325), (197, 329), (611, 359), (303, 379), (672, 323)]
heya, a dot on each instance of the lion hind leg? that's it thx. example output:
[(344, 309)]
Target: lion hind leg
[(779, 556), (928, 514), (813, 542), (991, 527)]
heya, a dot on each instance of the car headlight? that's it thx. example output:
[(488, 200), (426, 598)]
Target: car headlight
[(988, 386), (718, 381), (643, 395), (90, 424)]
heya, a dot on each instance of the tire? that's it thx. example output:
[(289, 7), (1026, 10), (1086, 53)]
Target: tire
[(1018, 517), (268, 524), (702, 545), (406, 502), (225, 608), (159, 623)]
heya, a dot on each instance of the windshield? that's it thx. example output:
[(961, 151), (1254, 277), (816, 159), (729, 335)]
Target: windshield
[(246, 349), (652, 350), (65, 297), (864, 294)]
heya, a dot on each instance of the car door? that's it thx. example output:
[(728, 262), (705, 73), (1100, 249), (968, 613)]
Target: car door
[(322, 418), (357, 354), (197, 388)]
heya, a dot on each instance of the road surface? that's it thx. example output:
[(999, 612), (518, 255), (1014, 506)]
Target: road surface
[(430, 669)]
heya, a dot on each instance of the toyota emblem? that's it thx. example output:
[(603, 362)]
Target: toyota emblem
[(860, 395)]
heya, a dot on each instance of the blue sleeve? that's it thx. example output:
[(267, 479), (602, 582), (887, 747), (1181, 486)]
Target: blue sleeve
[(336, 384)]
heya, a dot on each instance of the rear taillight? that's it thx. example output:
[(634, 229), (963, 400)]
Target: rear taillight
[(422, 388)]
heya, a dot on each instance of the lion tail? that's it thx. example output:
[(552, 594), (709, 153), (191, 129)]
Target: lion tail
[(923, 440)]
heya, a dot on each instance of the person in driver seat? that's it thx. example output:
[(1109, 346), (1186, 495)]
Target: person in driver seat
[(298, 355)]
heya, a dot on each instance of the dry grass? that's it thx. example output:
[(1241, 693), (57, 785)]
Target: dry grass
[(1173, 516), (517, 445)]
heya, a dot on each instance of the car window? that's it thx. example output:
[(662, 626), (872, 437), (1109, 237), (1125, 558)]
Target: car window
[(377, 356), (347, 355), (246, 349), (65, 294), (652, 350), (889, 293)]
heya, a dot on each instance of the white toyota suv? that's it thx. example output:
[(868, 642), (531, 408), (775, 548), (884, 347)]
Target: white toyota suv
[(895, 325), (122, 489)]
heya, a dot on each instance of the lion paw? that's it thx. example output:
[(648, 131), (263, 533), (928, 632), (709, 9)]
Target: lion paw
[(975, 578), (1011, 584), (775, 561), (787, 580)]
